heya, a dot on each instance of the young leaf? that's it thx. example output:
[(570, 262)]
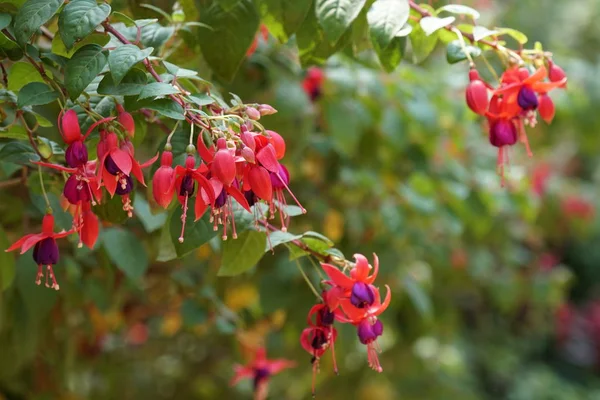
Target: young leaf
[(455, 53), (195, 234), (126, 251), (79, 18), (123, 58), (242, 253), (224, 47), (386, 20), (81, 70), (515, 34), (15, 132), (156, 89), (32, 15), (432, 24), (481, 32), (461, 10), (335, 16), (131, 85), (59, 48), (36, 94), (283, 17)]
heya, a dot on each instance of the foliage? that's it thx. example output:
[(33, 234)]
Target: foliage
[(382, 161)]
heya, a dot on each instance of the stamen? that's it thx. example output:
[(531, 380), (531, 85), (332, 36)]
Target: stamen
[(183, 217), (291, 194), (38, 277)]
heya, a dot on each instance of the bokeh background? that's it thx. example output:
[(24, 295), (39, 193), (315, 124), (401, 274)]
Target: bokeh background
[(495, 290)]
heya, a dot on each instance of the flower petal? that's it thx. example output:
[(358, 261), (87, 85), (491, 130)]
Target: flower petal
[(32, 240), (338, 277), (19, 242), (386, 302), (371, 278), (122, 159)]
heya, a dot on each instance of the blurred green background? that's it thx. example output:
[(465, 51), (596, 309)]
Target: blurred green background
[(495, 290)]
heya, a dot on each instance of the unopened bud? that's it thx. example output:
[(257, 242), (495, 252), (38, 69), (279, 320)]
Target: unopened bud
[(252, 113), (266, 109), (248, 155)]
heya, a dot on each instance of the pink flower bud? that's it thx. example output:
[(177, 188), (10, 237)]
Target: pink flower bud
[(546, 108), (266, 109), (477, 94), (252, 113), (71, 132), (162, 188)]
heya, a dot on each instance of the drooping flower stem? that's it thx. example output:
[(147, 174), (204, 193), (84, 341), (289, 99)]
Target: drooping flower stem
[(308, 282), (48, 207)]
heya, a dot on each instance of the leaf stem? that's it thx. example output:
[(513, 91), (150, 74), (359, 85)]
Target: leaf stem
[(48, 207), (308, 282)]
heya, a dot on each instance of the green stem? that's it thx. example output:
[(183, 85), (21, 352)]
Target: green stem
[(48, 207), (310, 285)]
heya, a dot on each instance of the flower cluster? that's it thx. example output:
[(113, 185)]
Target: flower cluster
[(515, 104), (83, 187), (351, 299), (239, 165)]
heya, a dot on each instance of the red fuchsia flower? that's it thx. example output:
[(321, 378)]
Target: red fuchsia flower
[(477, 93), (45, 249), (313, 83), (69, 127), (260, 370), (546, 108), (162, 188), (88, 233), (360, 302), (184, 183), (556, 74), (126, 120), (116, 165), (320, 336), (577, 207)]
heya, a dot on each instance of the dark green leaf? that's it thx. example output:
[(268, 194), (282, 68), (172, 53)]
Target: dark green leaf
[(201, 99), (433, 24), (86, 64), (125, 250), (313, 46), (36, 94), (18, 153), (58, 47), (32, 15), (195, 234), (455, 53), (111, 209), (131, 85), (224, 47), (7, 263), (156, 89), (283, 17), (335, 16), (5, 20), (386, 21), (390, 57), (242, 253), (9, 49), (79, 18), (123, 58)]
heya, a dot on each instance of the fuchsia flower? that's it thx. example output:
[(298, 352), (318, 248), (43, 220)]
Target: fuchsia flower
[(260, 369), (162, 188), (126, 120), (313, 83), (45, 249)]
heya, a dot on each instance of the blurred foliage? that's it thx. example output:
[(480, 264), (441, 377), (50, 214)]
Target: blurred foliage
[(494, 288)]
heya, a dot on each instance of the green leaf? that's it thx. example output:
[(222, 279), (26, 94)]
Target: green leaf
[(390, 57), (21, 74), (5, 20), (335, 16), (195, 234), (460, 9), (7, 263), (110, 209), (18, 153), (421, 44), (192, 314), (86, 64), (515, 34), (131, 85), (279, 237), (79, 18), (283, 18), (125, 250), (201, 99), (224, 47), (313, 46), (481, 32), (59, 48), (36, 94), (9, 49), (345, 121), (32, 15), (455, 53), (150, 221), (242, 253), (15, 132), (41, 120), (386, 20), (317, 235), (123, 58), (156, 89), (433, 24), (166, 107)]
